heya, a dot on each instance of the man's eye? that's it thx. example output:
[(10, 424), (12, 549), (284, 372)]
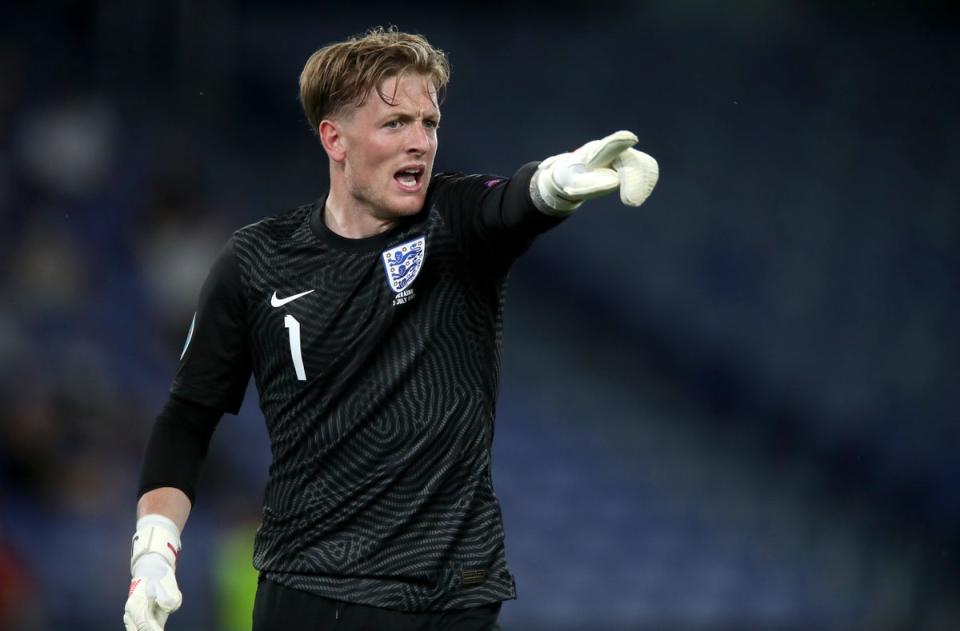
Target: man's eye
[(431, 124), (393, 124)]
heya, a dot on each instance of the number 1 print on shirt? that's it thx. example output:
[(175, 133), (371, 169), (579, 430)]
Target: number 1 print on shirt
[(293, 326)]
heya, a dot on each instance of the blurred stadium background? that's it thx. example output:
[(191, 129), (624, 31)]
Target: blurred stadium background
[(733, 408)]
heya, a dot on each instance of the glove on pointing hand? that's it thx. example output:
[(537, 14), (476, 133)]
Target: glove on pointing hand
[(564, 181)]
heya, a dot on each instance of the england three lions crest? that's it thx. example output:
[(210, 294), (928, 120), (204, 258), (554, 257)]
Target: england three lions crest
[(403, 263)]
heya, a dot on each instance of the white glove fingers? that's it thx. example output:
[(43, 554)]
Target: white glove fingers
[(140, 624), (592, 184), (138, 616), (168, 596), (564, 181), (639, 173), (600, 153), (153, 594)]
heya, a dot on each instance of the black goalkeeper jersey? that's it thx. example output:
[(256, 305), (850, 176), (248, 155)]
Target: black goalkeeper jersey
[(377, 363)]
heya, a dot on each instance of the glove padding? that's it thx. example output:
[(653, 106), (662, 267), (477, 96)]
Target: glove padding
[(153, 594), (565, 181)]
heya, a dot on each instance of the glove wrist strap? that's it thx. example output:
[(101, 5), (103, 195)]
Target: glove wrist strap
[(546, 196), (156, 539)]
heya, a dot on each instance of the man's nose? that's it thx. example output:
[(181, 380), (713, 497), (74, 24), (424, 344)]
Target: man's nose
[(418, 139)]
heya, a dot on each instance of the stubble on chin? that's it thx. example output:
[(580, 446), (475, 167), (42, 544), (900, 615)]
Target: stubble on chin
[(383, 206)]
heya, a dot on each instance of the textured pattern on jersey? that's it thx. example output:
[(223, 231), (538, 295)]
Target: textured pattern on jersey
[(380, 488)]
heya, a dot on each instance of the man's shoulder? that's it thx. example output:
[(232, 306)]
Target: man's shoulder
[(446, 182), (445, 179), (274, 228)]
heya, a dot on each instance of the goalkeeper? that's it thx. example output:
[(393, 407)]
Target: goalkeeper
[(371, 321)]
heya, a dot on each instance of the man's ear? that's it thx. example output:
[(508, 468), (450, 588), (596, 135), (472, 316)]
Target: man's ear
[(331, 137)]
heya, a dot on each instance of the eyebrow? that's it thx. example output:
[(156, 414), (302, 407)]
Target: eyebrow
[(435, 115)]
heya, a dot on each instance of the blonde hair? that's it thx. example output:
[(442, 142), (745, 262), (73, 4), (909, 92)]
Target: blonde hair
[(343, 73)]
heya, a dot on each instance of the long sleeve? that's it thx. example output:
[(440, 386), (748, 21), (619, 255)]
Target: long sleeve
[(491, 215)]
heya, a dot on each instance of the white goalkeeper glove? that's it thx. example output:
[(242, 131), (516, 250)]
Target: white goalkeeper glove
[(564, 181), (154, 594)]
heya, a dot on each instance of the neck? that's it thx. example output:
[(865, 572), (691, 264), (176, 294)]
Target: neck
[(344, 217)]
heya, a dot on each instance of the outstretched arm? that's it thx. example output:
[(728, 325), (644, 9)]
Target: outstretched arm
[(503, 216)]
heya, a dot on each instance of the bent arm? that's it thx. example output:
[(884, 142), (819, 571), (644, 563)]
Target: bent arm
[(171, 466), (211, 378)]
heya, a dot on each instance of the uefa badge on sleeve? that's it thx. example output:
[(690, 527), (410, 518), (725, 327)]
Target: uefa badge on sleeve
[(402, 264)]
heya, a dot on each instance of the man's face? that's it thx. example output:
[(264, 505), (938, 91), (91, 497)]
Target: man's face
[(389, 148)]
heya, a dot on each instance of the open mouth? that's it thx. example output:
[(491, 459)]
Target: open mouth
[(410, 177)]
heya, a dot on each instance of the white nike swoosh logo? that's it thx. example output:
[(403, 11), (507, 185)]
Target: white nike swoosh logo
[(279, 302)]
